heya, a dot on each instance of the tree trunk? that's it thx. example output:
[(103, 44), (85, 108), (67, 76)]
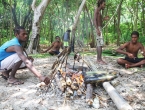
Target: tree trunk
[(75, 24), (135, 16), (92, 43), (38, 14), (143, 18), (118, 23)]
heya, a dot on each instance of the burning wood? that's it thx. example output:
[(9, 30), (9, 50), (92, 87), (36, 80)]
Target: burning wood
[(77, 82)]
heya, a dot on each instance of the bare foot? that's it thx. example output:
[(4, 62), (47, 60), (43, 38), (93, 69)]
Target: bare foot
[(141, 66), (127, 66), (5, 75), (101, 62), (15, 81)]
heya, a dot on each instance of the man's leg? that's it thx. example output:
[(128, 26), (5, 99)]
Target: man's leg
[(51, 52), (137, 64), (12, 78), (11, 64), (99, 53), (123, 62), (5, 74)]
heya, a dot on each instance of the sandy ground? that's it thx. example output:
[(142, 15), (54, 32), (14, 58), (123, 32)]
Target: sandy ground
[(130, 84)]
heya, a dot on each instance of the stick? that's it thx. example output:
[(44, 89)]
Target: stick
[(89, 94)]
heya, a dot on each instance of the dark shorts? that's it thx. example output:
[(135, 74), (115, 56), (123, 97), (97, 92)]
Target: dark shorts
[(52, 52), (56, 52), (136, 60)]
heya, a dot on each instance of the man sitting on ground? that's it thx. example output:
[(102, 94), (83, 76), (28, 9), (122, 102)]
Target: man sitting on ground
[(55, 46), (132, 48), (13, 57)]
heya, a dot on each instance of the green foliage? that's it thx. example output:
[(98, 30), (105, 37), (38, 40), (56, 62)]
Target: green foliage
[(44, 55), (60, 15)]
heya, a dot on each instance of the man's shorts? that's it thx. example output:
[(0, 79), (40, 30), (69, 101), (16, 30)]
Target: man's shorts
[(65, 43), (99, 39), (134, 60), (9, 62), (56, 52)]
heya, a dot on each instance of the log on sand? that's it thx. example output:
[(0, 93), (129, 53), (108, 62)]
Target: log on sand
[(89, 94), (116, 97), (60, 82)]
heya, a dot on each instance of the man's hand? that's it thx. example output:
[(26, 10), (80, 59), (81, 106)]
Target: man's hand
[(98, 32), (43, 51), (130, 55), (106, 18), (143, 53)]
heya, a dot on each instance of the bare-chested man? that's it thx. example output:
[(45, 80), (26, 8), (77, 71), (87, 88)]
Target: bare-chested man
[(13, 57), (98, 26), (55, 46), (132, 48)]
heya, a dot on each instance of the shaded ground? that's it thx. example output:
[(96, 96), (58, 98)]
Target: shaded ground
[(130, 84)]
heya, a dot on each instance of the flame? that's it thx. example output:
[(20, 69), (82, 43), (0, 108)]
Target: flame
[(79, 78)]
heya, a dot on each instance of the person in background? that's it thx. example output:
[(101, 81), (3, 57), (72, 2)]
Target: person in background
[(55, 46), (13, 57), (66, 38), (98, 19), (130, 50)]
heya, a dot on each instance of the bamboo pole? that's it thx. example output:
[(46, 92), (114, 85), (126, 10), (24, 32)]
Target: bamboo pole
[(116, 97)]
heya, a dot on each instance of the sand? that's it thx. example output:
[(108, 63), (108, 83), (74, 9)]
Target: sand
[(130, 84)]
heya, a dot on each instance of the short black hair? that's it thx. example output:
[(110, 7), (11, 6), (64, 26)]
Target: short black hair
[(17, 29), (68, 30), (135, 33), (100, 2), (57, 37)]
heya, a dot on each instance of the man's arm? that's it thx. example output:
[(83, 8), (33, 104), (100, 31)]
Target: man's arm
[(95, 19), (49, 47), (121, 50), (28, 63), (106, 18), (97, 16), (142, 50)]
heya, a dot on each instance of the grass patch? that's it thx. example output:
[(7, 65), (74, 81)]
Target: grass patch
[(104, 53), (42, 55)]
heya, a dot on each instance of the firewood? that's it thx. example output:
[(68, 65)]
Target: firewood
[(62, 53), (69, 91), (62, 81), (79, 92), (63, 74), (89, 94), (74, 85), (68, 81), (59, 82)]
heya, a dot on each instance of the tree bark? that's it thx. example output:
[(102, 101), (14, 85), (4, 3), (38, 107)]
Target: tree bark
[(92, 43), (118, 23), (38, 14), (75, 24)]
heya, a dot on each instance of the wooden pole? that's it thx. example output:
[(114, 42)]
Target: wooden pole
[(116, 97)]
